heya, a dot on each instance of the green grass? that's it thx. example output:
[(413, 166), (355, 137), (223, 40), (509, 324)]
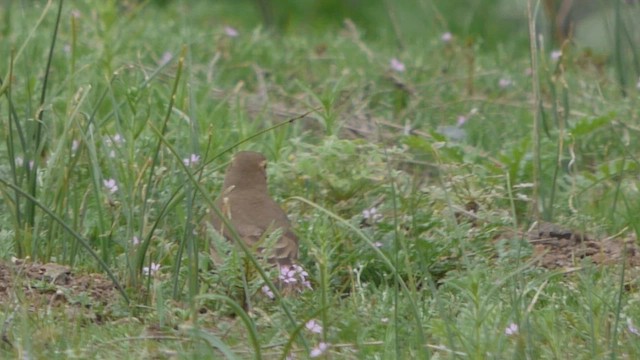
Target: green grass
[(133, 89)]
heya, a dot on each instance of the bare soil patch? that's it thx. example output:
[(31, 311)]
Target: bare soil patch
[(557, 246), (53, 284)]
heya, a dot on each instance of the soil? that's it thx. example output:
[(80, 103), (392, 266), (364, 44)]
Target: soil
[(557, 246), (52, 284)]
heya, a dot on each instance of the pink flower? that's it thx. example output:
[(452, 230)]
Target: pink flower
[(371, 214), (135, 241), (446, 37), (151, 270), (319, 350), (268, 292), (294, 274), (231, 32), (313, 326), (111, 185), (191, 160), (166, 57), (632, 329), (397, 65), (512, 329), (555, 55), (505, 83)]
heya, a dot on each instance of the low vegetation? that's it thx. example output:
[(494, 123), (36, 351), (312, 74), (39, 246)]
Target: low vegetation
[(454, 198)]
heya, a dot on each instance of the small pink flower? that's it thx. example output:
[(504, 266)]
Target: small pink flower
[(166, 57), (397, 65), (446, 37), (505, 83), (20, 161), (191, 160), (268, 292), (231, 32), (462, 119), (372, 214), (135, 241), (111, 185), (319, 350), (75, 145), (556, 55), (512, 329), (151, 270), (632, 329), (294, 274), (118, 139), (313, 326)]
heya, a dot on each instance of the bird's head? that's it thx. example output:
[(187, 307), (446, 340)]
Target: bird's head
[(248, 171)]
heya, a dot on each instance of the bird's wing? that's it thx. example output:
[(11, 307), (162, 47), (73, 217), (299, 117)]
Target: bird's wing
[(285, 251)]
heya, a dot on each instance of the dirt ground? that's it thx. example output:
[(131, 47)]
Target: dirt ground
[(39, 285), (556, 246)]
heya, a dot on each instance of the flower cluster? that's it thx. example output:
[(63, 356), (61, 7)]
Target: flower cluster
[(294, 274), (191, 160), (512, 329), (372, 215), (111, 185), (151, 270)]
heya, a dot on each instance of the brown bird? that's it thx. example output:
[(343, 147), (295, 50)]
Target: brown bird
[(246, 203)]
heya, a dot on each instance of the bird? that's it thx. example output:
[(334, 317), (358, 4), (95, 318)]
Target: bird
[(248, 207)]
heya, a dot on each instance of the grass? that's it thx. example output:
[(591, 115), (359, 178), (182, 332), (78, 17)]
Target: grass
[(95, 156)]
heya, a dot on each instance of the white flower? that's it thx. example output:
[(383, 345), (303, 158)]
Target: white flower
[(135, 241), (117, 139), (111, 185), (556, 54), (446, 37)]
